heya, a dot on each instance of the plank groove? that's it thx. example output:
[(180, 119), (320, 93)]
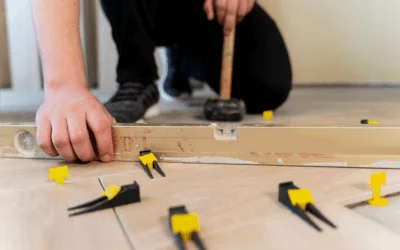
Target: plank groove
[(38, 219), (238, 207), (28, 174)]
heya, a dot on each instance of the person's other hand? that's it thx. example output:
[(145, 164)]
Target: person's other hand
[(228, 12), (63, 123)]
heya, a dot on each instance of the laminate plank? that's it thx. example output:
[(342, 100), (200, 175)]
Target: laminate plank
[(305, 105), (238, 206), (18, 174), (388, 216), (231, 200), (287, 231), (38, 219), (329, 105)]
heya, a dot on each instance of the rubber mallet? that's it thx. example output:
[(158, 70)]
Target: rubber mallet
[(226, 108)]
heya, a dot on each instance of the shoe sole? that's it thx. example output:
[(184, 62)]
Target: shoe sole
[(150, 113), (170, 98)]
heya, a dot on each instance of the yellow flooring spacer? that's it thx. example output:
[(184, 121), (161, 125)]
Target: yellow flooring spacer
[(148, 159), (373, 122), (58, 174), (376, 181), (268, 115), (301, 197), (381, 202), (111, 191), (185, 224)]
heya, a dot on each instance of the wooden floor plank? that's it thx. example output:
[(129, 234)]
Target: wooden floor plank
[(388, 216), (236, 205), (37, 219), (354, 231), (287, 231), (25, 173), (316, 105)]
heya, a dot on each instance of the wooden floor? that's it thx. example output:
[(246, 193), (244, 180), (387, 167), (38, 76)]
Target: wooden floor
[(305, 105), (237, 204)]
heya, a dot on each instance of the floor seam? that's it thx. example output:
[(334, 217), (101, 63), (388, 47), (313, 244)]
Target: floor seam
[(121, 224)]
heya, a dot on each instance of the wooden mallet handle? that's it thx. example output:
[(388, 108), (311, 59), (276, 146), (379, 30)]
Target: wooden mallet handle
[(227, 62)]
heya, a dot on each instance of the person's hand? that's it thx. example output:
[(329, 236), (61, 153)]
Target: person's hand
[(228, 12), (63, 123)]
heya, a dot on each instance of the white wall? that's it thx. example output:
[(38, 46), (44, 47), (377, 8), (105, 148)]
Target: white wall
[(4, 67), (342, 40), (88, 20), (353, 41), (22, 47), (18, 46)]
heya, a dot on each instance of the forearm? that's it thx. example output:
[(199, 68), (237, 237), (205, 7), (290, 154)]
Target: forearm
[(57, 31)]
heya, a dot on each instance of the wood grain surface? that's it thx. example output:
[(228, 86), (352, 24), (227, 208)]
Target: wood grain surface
[(238, 207), (37, 219), (27, 174), (387, 216), (370, 146), (227, 65)]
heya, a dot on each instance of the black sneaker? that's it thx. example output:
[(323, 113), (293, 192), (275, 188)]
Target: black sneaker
[(134, 102)]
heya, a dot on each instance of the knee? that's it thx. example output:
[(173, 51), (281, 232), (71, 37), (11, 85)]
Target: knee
[(110, 10), (268, 98)]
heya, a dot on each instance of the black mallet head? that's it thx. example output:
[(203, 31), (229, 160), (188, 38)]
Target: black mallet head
[(224, 110)]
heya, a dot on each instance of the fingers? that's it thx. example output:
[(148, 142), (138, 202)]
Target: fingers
[(43, 137), (250, 5), (61, 139), (79, 136), (221, 8), (230, 16), (100, 124), (209, 9), (243, 9), (109, 115)]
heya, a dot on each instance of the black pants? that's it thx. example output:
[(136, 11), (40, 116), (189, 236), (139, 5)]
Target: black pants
[(262, 74)]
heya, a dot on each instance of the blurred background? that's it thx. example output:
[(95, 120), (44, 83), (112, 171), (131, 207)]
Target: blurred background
[(345, 57)]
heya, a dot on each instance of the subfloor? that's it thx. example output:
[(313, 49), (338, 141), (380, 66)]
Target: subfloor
[(306, 105)]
